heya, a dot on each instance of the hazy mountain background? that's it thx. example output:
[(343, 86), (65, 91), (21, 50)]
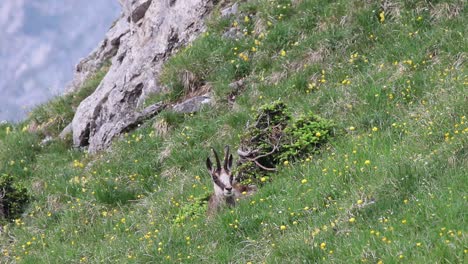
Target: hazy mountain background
[(41, 42)]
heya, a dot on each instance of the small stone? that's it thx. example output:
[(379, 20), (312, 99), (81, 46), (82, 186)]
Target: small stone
[(192, 105), (237, 84), (66, 131), (46, 140), (230, 10)]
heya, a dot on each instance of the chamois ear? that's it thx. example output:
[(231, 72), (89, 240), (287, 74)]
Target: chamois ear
[(229, 163), (209, 165)]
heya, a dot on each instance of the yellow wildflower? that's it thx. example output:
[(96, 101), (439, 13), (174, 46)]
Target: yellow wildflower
[(323, 245), (382, 16)]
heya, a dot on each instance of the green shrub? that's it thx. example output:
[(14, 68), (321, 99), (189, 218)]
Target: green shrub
[(275, 138), (193, 209), (305, 136), (13, 198), (262, 141)]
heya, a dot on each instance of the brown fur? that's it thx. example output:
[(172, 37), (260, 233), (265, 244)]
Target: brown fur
[(226, 191), (240, 191)]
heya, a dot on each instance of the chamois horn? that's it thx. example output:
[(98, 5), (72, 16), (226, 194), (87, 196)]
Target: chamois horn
[(218, 163)]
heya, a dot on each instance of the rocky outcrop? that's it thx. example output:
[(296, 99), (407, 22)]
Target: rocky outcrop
[(193, 104), (231, 10), (148, 32), (106, 50)]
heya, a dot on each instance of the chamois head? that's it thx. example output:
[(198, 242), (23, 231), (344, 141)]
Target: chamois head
[(222, 176)]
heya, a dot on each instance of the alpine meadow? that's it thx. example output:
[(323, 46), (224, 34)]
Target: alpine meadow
[(357, 111)]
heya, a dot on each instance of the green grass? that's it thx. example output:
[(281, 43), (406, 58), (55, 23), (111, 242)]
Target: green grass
[(389, 187), (51, 118)]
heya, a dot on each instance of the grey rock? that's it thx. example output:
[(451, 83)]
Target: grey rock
[(237, 85), (106, 50), (232, 33), (140, 49), (192, 105), (232, 10), (46, 140), (236, 88), (130, 121), (147, 113), (66, 131), (139, 10)]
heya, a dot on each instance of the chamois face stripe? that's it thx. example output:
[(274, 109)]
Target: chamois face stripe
[(223, 180), (225, 192), (221, 175), (218, 182)]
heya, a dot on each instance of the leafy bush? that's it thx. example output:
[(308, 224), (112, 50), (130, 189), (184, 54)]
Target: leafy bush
[(306, 136), (260, 145), (13, 198), (195, 208), (276, 138)]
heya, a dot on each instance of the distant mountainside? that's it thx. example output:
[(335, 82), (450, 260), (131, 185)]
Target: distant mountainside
[(41, 42)]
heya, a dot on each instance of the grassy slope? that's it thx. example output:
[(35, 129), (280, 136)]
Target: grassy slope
[(390, 187)]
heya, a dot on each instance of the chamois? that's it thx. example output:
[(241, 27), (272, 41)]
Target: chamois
[(226, 190)]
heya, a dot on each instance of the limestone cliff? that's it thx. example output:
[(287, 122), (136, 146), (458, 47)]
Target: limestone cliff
[(146, 34)]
